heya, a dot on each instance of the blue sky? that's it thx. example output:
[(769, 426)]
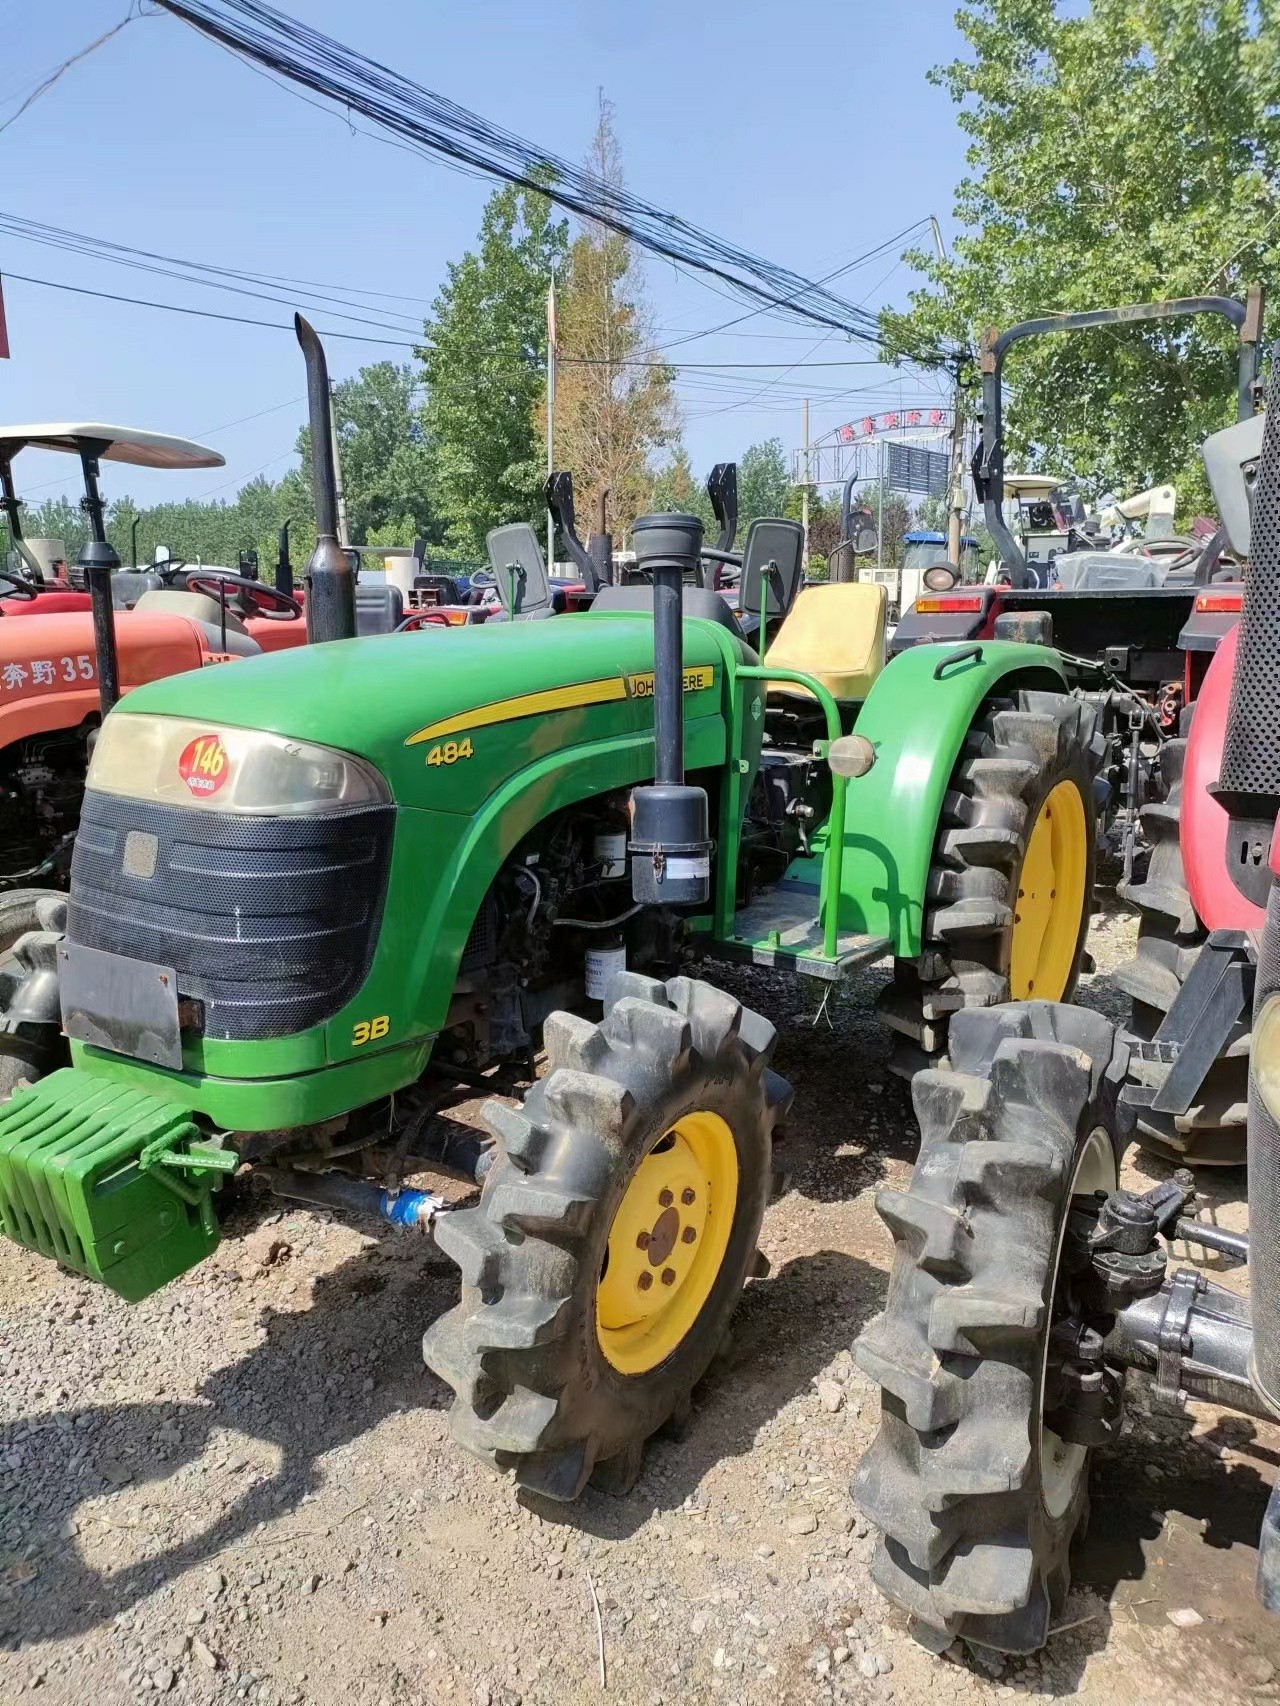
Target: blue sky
[(808, 135)]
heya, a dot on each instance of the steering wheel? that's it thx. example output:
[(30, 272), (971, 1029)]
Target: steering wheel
[(22, 588), (1175, 551), (417, 619), (265, 600), (169, 571)]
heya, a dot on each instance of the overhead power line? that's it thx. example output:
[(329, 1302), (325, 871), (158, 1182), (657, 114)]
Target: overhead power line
[(408, 343), (431, 123), (48, 82)]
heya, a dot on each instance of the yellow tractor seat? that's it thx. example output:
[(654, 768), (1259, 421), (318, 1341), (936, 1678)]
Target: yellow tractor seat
[(837, 635)]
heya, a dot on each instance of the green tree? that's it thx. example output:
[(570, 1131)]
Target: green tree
[(1125, 154), (676, 490), (615, 407), (388, 473), (484, 361), (764, 485)]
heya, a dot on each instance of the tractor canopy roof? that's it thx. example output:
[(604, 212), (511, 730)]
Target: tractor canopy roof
[(115, 444), (1032, 485), (927, 536)]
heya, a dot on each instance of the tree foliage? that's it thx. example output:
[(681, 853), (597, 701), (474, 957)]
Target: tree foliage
[(614, 407), (764, 485), (1124, 153), (677, 491), (388, 475), (484, 363)]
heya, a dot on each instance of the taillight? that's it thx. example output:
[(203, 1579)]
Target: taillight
[(965, 601), (1219, 602)]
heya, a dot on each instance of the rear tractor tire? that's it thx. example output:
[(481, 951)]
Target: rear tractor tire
[(977, 1499), (1010, 886), (614, 1234)]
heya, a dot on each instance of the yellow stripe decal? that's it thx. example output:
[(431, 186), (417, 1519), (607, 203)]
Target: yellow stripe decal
[(603, 691), (526, 705)]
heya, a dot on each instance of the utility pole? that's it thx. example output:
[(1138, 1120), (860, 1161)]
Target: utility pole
[(804, 495), (343, 537), (955, 493), (551, 415)]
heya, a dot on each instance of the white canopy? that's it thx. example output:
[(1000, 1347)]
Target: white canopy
[(1031, 485), (124, 444)]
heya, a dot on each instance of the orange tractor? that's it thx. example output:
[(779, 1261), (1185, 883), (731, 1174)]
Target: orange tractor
[(168, 618)]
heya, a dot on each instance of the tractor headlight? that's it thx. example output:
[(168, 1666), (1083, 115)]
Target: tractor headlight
[(1265, 1055), (177, 762)]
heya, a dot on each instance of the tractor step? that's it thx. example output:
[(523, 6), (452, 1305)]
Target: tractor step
[(782, 930), (108, 1180)]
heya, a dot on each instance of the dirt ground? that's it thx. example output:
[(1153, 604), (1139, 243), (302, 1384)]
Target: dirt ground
[(244, 1489)]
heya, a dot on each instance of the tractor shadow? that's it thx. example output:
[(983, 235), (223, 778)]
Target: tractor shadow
[(323, 1377), (852, 1117), (1174, 1527), (296, 1396), (787, 1330)]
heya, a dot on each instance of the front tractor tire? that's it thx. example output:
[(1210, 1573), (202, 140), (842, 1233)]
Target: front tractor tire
[(614, 1234), (1010, 886), (32, 922), (976, 1497)]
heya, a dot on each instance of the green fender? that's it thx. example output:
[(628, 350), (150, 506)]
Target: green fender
[(916, 717)]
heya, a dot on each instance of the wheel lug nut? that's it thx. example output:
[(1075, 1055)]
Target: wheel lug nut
[(668, 1276), (642, 1240), (665, 1198), (686, 1196), (645, 1281), (688, 1235)]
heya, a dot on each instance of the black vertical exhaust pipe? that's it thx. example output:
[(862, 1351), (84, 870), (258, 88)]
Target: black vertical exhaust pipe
[(670, 834), (284, 567), (329, 580)]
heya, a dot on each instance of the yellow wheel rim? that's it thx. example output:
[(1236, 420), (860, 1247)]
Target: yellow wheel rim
[(1051, 898), (667, 1243)]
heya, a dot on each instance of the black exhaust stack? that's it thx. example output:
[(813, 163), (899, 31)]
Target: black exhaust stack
[(329, 580), (284, 567), (670, 834), (600, 544), (98, 561)]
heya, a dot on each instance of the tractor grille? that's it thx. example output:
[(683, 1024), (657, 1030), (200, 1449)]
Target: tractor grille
[(270, 922)]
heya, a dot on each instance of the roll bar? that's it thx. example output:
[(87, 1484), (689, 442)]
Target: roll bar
[(12, 506), (988, 465)]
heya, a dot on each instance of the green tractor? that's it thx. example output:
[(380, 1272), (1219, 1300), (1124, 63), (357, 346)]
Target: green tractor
[(316, 895)]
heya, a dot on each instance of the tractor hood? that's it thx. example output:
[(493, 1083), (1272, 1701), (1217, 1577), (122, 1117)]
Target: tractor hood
[(446, 715)]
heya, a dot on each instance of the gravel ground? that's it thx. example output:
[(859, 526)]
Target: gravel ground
[(243, 1488)]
